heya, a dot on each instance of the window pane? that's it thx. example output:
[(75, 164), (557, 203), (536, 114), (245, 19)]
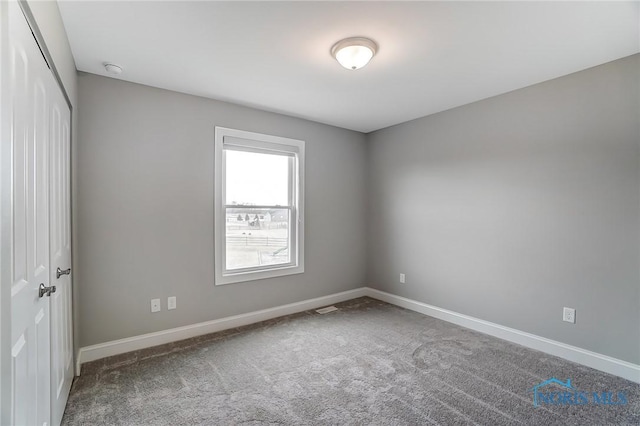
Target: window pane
[(258, 179), (257, 237)]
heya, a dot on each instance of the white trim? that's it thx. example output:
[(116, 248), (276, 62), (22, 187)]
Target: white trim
[(116, 347), (585, 357), (257, 142), (78, 362)]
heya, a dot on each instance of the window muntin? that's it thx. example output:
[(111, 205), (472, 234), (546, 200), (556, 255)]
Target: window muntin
[(259, 206)]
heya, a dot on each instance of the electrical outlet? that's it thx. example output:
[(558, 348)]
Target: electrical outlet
[(155, 305), (402, 279), (171, 303), (569, 315)]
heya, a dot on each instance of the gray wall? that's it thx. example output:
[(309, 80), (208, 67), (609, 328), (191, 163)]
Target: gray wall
[(510, 208), (507, 209), (145, 210)]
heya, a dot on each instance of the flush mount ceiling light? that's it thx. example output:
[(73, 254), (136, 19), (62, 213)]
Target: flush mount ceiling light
[(355, 52), (113, 69)]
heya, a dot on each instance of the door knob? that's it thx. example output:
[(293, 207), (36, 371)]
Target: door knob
[(46, 290), (60, 272)]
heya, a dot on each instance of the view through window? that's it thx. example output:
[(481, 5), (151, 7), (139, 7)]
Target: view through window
[(258, 209)]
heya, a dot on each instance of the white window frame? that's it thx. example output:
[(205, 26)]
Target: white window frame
[(241, 140)]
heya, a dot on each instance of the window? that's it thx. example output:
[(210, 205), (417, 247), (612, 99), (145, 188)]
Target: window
[(259, 206)]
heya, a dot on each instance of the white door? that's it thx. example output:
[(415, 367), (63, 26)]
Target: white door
[(60, 254), (29, 100)]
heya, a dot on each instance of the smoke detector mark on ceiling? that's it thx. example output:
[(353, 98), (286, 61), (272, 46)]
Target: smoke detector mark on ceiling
[(112, 68)]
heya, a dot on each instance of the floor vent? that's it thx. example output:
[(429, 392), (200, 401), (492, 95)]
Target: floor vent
[(326, 310)]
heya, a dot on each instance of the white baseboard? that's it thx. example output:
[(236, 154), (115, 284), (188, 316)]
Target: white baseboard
[(116, 347), (591, 359)]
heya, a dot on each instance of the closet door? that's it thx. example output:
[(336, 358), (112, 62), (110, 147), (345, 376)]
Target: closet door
[(60, 253), (28, 103)]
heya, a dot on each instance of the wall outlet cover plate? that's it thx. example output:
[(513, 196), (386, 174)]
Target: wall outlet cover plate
[(569, 315)]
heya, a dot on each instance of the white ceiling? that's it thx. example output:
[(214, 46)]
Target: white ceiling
[(275, 55)]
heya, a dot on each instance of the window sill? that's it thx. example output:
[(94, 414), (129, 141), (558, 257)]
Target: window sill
[(231, 278)]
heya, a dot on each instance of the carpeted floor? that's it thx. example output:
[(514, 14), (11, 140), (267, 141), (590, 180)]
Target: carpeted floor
[(370, 363)]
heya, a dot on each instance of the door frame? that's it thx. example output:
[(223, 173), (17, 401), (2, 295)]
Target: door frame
[(5, 199), (43, 47), (5, 205)]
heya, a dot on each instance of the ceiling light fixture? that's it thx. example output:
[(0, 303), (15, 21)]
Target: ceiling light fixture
[(112, 68), (354, 52)]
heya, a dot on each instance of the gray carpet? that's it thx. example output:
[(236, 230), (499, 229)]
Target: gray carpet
[(370, 363)]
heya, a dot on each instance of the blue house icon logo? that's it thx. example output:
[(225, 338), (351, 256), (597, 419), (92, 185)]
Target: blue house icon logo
[(537, 392), (569, 395)]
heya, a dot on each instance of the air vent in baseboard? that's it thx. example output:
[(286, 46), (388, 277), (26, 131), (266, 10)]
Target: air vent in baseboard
[(326, 310)]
